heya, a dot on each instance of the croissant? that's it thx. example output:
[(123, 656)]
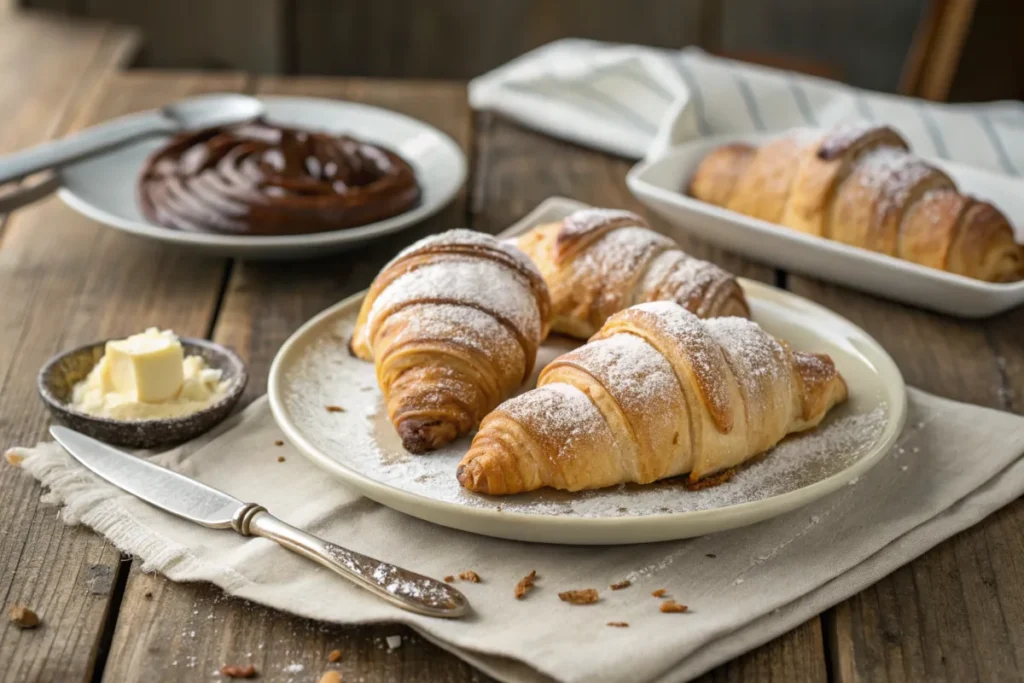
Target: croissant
[(453, 324), (658, 392), (860, 185), (597, 262)]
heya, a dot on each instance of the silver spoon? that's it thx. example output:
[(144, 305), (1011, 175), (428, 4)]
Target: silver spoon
[(196, 112)]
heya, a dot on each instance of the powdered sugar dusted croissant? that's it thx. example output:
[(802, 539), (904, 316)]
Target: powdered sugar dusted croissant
[(656, 393), (599, 261), (453, 324), (860, 185)]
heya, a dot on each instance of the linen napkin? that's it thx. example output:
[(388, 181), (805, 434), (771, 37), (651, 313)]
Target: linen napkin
[(638, 101), (953, 465)]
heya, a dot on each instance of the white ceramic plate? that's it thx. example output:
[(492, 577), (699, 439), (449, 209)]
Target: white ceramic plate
[(313, 370), (660, 184), (103, 188)]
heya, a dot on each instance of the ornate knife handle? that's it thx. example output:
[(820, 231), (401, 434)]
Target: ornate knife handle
[(406, 589)]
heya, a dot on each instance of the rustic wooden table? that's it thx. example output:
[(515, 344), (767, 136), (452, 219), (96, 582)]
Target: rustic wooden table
[(956, 614)]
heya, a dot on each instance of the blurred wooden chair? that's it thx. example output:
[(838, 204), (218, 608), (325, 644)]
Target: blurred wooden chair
[(936, 49)]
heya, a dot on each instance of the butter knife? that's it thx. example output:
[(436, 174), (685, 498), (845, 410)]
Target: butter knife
[(202, 504)]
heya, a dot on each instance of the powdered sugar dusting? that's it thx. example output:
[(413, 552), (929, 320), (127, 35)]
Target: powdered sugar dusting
[(757, 359), (587, 220), (464, 236), (479, 282), (701, 348), (891, 174), (632, 370), (618, 255), (363, 439), (562, 414), (842, 136)]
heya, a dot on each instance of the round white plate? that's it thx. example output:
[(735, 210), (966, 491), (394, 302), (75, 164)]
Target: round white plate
[(103, 188), (314, 370)]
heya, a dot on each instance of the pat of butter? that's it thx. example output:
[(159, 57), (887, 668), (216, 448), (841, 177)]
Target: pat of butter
[(147, 367)]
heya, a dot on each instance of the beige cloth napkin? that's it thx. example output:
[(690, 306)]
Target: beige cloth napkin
[(954, 465)]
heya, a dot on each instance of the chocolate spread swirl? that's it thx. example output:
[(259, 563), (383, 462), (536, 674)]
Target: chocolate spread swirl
[(262, 179)]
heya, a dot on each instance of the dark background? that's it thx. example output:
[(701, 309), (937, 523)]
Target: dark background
[(863, 42)]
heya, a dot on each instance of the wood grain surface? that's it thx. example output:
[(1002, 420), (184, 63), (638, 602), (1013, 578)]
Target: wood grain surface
[(955, 614), (67, 281)]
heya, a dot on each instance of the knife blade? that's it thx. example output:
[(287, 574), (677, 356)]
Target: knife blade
[(156, 485), (202, 504)]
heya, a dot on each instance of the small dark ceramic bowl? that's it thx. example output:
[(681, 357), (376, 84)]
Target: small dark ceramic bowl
[(60, 374)]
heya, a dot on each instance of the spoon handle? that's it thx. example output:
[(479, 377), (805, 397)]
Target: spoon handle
[(99, 138), (401, 587)]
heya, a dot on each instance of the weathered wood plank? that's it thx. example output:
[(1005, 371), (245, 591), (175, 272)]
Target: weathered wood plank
[(67, 281), (401, 37), (955, 613), (245, 35), (516, 169), (187, 631), (47, 63)]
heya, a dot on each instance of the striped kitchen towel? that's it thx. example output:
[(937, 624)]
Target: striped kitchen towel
[(638, 101)]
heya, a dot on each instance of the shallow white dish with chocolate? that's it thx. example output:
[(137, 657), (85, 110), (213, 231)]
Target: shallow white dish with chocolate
[(105, 188), (661, 184), (329, 406)]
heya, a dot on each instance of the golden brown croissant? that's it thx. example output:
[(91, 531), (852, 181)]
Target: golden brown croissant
[(599, 261), (860, 185), (656, 393), (453, 324)]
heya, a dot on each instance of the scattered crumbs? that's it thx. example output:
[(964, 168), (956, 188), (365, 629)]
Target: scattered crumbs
[(148, 595), (293, 668), (903, 468), (711, 555), (525, 584), (658, 593), (335, 409), (280, 458), (739, 581), (625, 583), (619, 624), (915, 449), (330, 677), (583, 596), (279, 443), (670, 606), (919, 425), (815, 519), (334, 656), (449, 578), (394, 642), (23, 617), (14, 457), (235, 671), (853, 481), (470, 575)]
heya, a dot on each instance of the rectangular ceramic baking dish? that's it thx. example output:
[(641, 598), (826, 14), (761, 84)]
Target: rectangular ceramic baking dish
[(660, 184)]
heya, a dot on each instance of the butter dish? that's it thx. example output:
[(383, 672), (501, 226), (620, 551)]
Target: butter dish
[(61, 373)]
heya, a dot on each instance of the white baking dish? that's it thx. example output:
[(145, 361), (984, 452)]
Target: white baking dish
[(661, 184)]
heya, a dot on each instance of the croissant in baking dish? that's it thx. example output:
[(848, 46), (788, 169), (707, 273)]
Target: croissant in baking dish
[(453, 324), (860, 185), (656, 393), (597, 262)]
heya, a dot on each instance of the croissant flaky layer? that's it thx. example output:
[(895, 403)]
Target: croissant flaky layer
[(656, 393), (860, 185), (453, 325), (597, 262)]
